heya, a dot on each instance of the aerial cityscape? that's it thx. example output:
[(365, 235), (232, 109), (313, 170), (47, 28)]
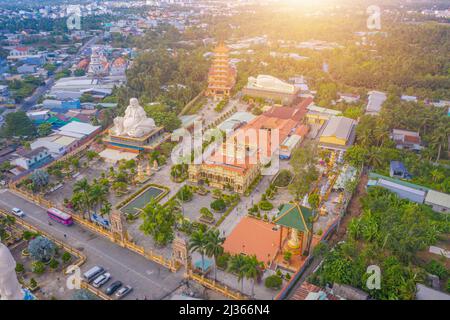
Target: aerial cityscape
[(233, 150)]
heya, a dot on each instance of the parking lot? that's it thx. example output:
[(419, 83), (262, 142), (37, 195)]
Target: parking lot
[(148, 279)]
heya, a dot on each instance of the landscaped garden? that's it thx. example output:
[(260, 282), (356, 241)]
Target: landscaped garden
[(40, 262)]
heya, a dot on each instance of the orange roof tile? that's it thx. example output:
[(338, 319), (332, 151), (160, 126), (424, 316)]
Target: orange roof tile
[(254, 237)]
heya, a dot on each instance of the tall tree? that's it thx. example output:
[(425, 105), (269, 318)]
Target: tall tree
[(213, 247)]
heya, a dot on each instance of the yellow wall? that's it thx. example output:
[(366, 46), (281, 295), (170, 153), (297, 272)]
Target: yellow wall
[(333, 140)]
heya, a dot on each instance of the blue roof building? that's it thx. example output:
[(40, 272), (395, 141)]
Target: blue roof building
[(398, 170)]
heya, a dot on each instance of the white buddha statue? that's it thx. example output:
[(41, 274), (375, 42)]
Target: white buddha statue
[(135, 123), (10, 288)]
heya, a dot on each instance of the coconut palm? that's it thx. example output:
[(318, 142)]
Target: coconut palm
[(252, 270), (237, 266), (213, 247), (82, 188), (105, 210), (97, 196), (374, 157), (197, 243), (440, 138)]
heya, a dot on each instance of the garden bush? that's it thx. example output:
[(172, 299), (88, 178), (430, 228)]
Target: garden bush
[(20, 267), (437, 268), (265, 205), (38, 267), (218, 205), (273, 282), (283, 179), (222, 261), (66, 257), (54, 264), (185, 194)]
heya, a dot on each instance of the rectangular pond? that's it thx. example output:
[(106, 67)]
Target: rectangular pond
[(141, 200)]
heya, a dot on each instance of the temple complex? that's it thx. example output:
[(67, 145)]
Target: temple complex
[(221, 76), (238, 161)]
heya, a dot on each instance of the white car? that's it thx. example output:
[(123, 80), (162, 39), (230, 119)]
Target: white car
[(101, 280), (18, 212), (122, 292)]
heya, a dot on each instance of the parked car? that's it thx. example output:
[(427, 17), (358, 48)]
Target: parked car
[(113, 287), (122, 292), (18, 212), (101, 280)]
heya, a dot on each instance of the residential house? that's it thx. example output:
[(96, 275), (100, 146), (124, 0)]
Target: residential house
[(61, 105), (408, 98), (19, 53), (39, 116), (406, 140), (349, 97), (32, 159), (376, 100), (26, 69), (308, 291), (398, 170), (118, 67)]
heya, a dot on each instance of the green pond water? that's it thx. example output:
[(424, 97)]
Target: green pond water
[(141, 201)]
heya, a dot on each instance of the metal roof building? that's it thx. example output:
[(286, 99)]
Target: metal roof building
[(403, 191), (439, 201)]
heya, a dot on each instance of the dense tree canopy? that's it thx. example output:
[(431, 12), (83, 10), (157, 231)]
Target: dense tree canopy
[(389, 234)]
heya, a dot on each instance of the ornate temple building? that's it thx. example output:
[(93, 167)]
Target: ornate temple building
[(268, 87), (237, 163), (98, 65), (221, 76)]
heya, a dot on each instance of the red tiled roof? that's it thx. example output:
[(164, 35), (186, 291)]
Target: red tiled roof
[(305, 289), (254, 237), (412, 139), (21, 48)]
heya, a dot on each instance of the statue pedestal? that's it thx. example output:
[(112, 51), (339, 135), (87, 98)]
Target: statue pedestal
[(137, 145)]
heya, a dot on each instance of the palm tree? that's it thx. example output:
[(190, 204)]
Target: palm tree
[(237, 266), (213, 247), (374, 157), (253, 270), (437, 175), (83, 187), (97, 196), (106, 209), (197, 243), (439, 138)]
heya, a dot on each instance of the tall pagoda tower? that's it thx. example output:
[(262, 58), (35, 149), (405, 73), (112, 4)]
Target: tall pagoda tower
[(221, 76)]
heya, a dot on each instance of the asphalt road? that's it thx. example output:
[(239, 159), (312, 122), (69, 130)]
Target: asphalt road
[(149, 280)]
